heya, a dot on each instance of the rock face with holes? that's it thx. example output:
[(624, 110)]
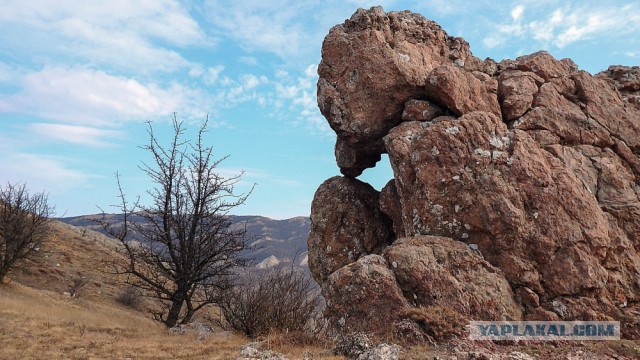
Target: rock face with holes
[(516, 190)]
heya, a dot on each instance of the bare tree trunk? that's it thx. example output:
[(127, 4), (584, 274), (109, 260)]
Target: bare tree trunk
[(174, 312), (190, 312)]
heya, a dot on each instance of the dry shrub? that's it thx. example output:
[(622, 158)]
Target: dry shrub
[(439, 322), (24, 224), (274, 300), (129, 297)]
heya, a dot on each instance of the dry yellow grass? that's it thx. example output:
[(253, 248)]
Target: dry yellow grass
[(41, 325), (39, 321)]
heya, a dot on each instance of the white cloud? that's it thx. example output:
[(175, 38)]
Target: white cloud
[(292, 30), (212, 74), (311, 71), (273, 26), (457, 8), (516, 13), (300, 94), (81, 135), (251, 81), (493, 41), (7, 73), (133, 35), (280, 73), (246, 88), (91, 97), (560, 27), (543, 30), (39, 172), (168, 20)]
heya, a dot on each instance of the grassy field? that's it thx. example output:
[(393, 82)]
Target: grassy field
[(40, 320), (39, 324)]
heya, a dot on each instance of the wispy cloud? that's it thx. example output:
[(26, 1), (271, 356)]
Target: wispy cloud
[(80, 135), (451, 7), (297, 95), (133, 35), (273, 26), (39, 172), (248, 60), (245, 88), (283, 27), (92, 97), (562, 26), (7, 74)]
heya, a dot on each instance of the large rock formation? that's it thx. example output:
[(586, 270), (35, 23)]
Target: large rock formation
[(516, 189)]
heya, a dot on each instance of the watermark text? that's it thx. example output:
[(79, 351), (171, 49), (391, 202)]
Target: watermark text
[(544, 330)]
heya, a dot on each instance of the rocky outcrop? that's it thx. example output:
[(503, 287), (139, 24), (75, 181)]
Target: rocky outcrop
[(627, 80), (407, 47), (516, 190)]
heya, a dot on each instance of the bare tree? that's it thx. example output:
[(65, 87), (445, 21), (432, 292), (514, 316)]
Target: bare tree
[(186, 246), (24, 224)]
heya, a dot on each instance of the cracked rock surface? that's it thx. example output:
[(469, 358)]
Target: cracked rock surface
[(516, 190)]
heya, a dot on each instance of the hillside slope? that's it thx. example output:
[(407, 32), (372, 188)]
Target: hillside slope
[(41, 320)]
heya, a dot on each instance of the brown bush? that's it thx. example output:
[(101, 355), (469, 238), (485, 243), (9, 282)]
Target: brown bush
[(439, 322), (274, 300), (24, 224), (129, 297)]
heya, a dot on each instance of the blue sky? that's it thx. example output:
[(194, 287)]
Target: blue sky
[(79, 78)]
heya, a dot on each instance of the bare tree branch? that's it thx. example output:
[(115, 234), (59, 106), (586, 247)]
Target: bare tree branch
[(186, 247)]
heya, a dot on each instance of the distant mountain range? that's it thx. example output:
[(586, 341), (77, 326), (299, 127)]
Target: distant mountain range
[(273, 242)]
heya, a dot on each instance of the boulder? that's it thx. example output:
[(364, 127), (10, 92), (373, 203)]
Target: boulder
[(516, 190), (516, 90), (364, 297), (627, 80), (438, 271), (346, 223), (383, 59), (254, 351), (420, 110)]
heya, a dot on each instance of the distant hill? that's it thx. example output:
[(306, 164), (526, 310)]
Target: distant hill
[(273, 242)]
